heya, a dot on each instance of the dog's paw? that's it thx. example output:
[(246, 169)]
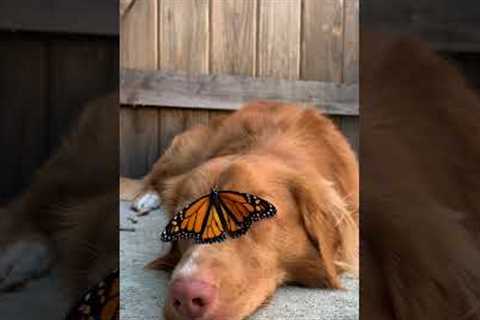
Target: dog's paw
[(23, 260), (146, 202)]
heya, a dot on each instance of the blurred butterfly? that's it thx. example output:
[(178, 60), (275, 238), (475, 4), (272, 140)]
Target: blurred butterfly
[(209, 218), (100, 302)]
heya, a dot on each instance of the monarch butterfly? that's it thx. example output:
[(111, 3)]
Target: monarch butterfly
[(212, 216), (100, 302)]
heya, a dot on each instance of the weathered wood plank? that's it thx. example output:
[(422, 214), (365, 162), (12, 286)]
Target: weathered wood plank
[(350, 127), (226, 92), (464, 37), (351, 42), (70, 16), (138, 36), (171, 123), (23, 112), (233, 47), (139, 146), (83, 69), (447, 25), (322, 40), (184, 35), (139, 131), (214, 114), (174, 121), (233, 37), (279, 39), (184, 46)]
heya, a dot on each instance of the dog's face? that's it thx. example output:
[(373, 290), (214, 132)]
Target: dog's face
[(230, 280)]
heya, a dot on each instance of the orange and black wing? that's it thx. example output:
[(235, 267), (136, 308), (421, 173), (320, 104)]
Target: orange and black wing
[(240, 210), (199, 221), (100, 302)]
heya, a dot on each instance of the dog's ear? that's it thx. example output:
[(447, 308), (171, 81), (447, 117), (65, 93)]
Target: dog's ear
[(166, 262), (330, 225)]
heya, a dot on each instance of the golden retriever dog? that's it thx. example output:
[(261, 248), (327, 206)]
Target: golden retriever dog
[(420, 185), (294, 158), (68, 218)]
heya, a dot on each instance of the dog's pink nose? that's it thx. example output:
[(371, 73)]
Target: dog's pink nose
[(192, 298)]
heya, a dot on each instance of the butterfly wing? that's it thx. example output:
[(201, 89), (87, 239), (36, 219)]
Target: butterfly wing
[(209, 218), (199, 221), (240, 210), (214, 227), (100, 302)]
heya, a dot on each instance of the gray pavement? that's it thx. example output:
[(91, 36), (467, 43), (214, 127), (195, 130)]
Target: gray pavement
[(143, 291)]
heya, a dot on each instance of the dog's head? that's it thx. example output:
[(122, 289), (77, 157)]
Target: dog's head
[(311, 238)]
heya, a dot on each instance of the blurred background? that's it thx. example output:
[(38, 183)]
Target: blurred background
[(54, 57), (450, 27)]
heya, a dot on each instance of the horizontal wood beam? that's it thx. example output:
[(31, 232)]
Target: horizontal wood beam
[(61, 16), (441, 38), (229, 92), (446, 25)]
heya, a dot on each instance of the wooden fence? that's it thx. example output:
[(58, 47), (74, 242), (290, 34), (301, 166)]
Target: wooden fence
[(449, 26), (186, 61), (44, 82), (53, 59)]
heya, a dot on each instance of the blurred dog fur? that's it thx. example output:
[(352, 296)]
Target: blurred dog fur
[(420, 184), (68, 218)]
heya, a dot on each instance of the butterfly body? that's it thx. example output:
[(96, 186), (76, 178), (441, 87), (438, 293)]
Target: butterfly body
[(211, 217)]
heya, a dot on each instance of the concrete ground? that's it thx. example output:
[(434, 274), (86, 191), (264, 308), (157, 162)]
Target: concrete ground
[(39, 299), (143, 292)]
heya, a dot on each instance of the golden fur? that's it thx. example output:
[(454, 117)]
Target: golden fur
[(296, 159)]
